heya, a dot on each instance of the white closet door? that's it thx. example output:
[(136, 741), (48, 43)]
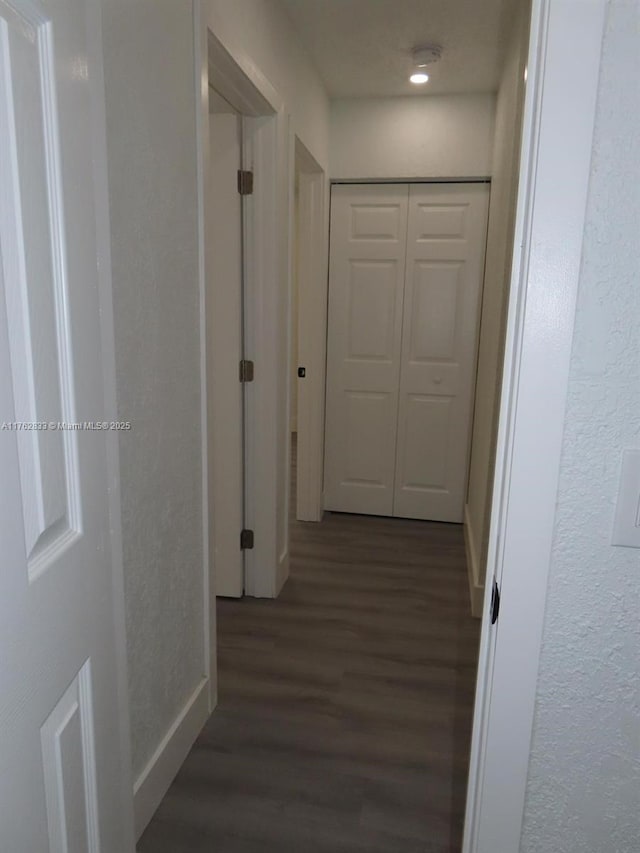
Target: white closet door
[(445, 267), (367, 270)]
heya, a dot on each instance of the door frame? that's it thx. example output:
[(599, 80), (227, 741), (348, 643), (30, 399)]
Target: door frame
[(108, 346), (556, 147), (311, 273), (266, 266)]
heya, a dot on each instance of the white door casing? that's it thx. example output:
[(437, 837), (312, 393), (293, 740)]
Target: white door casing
[(406, 272), (366, 283), (63, 768), (445, 267), (224, 347), (294, 360), (555, 165)]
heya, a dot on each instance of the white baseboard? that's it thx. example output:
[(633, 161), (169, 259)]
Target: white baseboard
[(476, 589), (153, 783)]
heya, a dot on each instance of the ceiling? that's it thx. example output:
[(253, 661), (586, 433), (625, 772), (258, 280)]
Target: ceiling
[(362, 48)]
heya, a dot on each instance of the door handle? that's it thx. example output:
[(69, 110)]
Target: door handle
[(495, 602)]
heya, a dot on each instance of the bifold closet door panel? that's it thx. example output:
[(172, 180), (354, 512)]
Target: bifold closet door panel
[(445, 268), (366, 283)]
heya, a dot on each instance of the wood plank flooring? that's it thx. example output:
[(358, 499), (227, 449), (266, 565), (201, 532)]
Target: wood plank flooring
[(345, 706)]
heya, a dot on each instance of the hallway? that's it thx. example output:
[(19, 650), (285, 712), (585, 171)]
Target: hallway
[(345, 706)]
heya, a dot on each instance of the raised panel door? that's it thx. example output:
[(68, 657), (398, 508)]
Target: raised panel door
[(444, 274), (366, 281), (65, 786)]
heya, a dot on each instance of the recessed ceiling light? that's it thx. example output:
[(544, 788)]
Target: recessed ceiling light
[(423, 56)]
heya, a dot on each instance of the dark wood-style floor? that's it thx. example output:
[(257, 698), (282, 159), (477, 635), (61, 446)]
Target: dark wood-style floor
[(345, 705)]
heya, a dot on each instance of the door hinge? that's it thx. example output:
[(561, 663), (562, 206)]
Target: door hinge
[(246, 370), (245, 182), (495, 602), (246, 540)]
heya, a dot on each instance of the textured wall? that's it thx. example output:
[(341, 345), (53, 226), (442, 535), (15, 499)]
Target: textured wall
[(584, 775), (432, 136), (150, 98), (504, 185)]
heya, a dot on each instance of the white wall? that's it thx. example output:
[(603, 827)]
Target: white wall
[(261, 32), (151, 144), (413, 137), (504, 186), (584, 772)]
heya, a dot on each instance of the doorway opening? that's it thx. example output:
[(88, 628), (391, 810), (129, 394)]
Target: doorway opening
[(242, 217), (308, 331)]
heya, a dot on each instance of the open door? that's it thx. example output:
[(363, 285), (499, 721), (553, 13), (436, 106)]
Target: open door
[(263, 200), (225, 323), (64, 778)]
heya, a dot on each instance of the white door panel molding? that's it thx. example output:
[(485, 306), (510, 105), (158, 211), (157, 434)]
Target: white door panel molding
[(405, 283), (65, 776), (445, 266)]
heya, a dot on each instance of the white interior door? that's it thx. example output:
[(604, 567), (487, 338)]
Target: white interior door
[(64, 784), (445, 267), (224, 348), (405, 282), (366, 282)]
